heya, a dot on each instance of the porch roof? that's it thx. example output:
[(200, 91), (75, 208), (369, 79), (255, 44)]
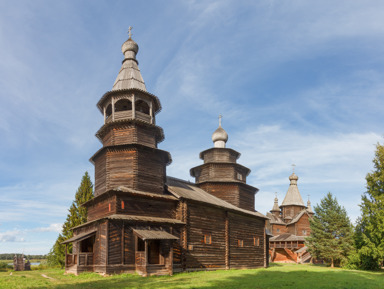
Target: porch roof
[(80, 237), (154, 235)]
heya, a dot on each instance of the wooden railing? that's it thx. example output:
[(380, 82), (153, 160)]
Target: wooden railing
[(71, 260), (288, 245), (127, 114), (81, 259)]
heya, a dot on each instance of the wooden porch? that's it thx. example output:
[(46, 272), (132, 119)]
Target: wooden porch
[(153, 252)]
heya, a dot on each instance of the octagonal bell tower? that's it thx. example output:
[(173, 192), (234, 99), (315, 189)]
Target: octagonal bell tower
[(221, 175), (129, 156)]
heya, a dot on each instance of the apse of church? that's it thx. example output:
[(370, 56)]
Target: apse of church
[(142, 220)]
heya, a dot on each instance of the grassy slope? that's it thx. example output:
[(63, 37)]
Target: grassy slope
[(277, 276)]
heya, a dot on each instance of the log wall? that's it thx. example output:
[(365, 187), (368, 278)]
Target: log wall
[(203, 220), (233, 193), (221, 172), (282, 229), (100, 174), (302, 224), (292, 211), (246, 229), (151, 172), (219, 155), (130, 133), (145, 207), (101, 209)]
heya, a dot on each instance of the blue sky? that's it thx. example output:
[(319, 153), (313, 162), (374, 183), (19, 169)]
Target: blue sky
[(296, 82)]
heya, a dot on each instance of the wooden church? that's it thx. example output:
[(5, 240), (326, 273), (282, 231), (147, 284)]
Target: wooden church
[(143, 221), (289, 225)]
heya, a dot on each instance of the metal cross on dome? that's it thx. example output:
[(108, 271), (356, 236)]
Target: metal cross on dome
[(293, 168), (130, 31), (220, 117)]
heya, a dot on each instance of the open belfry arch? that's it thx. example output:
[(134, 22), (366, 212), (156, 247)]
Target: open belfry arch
[(142, 221)]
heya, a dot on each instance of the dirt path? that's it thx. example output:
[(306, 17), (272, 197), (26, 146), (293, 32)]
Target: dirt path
[(45, 276)]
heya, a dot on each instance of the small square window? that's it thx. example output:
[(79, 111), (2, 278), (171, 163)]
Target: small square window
[(278, 230), (304, 232), (240, 243), (207, 239)]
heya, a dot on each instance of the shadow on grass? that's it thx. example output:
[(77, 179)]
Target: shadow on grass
[(275, 277)]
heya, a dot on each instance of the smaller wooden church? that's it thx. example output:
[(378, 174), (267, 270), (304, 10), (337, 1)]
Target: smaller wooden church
[(142, 220), (289, 225)]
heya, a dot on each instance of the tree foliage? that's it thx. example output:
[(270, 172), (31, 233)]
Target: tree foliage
[(77, 215), (369, 233), (331, 231)]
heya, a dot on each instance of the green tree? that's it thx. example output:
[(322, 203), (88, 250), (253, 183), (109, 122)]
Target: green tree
[(331, 235), (370, 227), (77, 215)]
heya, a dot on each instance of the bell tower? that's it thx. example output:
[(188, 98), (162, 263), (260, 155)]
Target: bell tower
[(129, 156), (222, 176)]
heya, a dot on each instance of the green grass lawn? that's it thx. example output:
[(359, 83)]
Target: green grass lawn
[(276, 276)]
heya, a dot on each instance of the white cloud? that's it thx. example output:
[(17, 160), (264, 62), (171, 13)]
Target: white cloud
[(51, 228), (12, 236)]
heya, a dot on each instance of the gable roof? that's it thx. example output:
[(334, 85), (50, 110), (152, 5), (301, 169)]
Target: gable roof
[(183, 189), (298, 216), (275, 220), (287, 237)]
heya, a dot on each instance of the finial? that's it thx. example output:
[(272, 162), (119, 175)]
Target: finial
[(275, 194), (130, 32), (220, 117), (293, 168), (308, 197)]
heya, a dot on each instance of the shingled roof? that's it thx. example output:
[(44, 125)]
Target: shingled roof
[(293, 196), (287, 237), (186, 190)]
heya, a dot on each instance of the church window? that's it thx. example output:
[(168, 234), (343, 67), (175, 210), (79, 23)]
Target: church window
[(123, 104), (122, 205), (142, 106), (256, 241), (240, 243), (109, 207), (207, 239), (239, 176), (304, 232), (278, 230)]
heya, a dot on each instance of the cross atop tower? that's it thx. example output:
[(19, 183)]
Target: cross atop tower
[(293, 168), (220, 117), (130, 32)]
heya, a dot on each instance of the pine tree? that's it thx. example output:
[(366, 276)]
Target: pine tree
[(77, 215), (370, 228), (331, 231)]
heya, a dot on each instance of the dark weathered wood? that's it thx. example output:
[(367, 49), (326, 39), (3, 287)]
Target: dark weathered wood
[(132, 196), (227, 242)]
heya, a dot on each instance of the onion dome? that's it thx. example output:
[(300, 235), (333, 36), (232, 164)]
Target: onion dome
[(293, 179), (129, 75), (220, 136), (130, 49)]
